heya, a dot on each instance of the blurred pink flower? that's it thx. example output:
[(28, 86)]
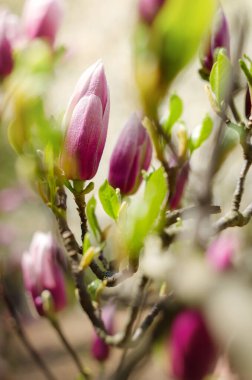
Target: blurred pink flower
[(221, 252), (42, 271), (12, 197), (42, 19), (7, 35), (148, 9), (181, 183), (86, 122), (193, 353), (100, 350)]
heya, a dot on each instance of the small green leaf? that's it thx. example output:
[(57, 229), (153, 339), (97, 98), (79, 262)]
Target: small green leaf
[(144, 211), (229, 142), (220, 76), (247, 71), (175, 112), (86, 243), (201, 133), (110, 200), (92, 219), (93, 288)]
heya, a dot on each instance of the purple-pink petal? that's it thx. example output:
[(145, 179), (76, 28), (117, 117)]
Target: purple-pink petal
[(148, 9), (42, 19), (193, 351), (131, 155)]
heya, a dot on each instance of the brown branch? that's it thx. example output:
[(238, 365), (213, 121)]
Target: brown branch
[(69, 348), (240, 185), (187, 213), (233, 219)]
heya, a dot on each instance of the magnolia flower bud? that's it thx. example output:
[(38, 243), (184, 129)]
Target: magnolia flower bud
[(219, 38), (100, 350), (193, 352), (6, 54), (248, 105), (181, 182), (86, 120), (42, 271), (131, 155), (148, 9), (42, 19), (221, 252)]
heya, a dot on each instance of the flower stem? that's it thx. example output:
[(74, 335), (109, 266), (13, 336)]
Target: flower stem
[(68, 347), (79, 198)]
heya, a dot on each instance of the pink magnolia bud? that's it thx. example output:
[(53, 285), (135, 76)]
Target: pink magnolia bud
[(180, 186), (42, 19), (193, 352), (86, 120), (131, 155), (219, 38), (248, 105), (6, 54), (100, 350), (221, 252), (148, 9), (42, 271)]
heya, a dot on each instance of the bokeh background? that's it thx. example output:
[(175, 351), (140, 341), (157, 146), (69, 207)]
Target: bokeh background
[(92, 29)]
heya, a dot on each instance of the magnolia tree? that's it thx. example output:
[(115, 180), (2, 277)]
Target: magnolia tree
[(171, 269)]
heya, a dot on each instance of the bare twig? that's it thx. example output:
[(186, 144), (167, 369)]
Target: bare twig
[(23, 337), (69, 348), (240, 185), (187, 213)]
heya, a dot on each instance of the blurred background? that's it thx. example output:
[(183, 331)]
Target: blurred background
[(92, 29)]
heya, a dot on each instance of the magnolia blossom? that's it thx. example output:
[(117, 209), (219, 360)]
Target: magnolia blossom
[(193, 352), (221, 252), (42, 271), (148, 9), (181, 183), (219, 38), (131, 155), (86, 123), (7, 35), (100, 350), (42, 19)]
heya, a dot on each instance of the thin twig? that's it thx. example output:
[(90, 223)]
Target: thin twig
[(79, 198), (187, 213), (240, 185), (69, 348), (23, 337)]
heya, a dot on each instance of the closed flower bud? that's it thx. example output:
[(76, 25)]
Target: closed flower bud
[(248, 105), (86, 122), (193, 352), (219, 38), (148, 9), (100, 350), (131, 155), (6, 53), (42, 19), (181, 182), (221, 252), (42, 271)]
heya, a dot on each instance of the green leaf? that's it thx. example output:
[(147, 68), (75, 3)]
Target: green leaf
[(144, 211), (201, 133), (178, 30), (247, 71), (220, 77), (93, 288), (86, 243), (92, 219), (110, 200), (175, 112)]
